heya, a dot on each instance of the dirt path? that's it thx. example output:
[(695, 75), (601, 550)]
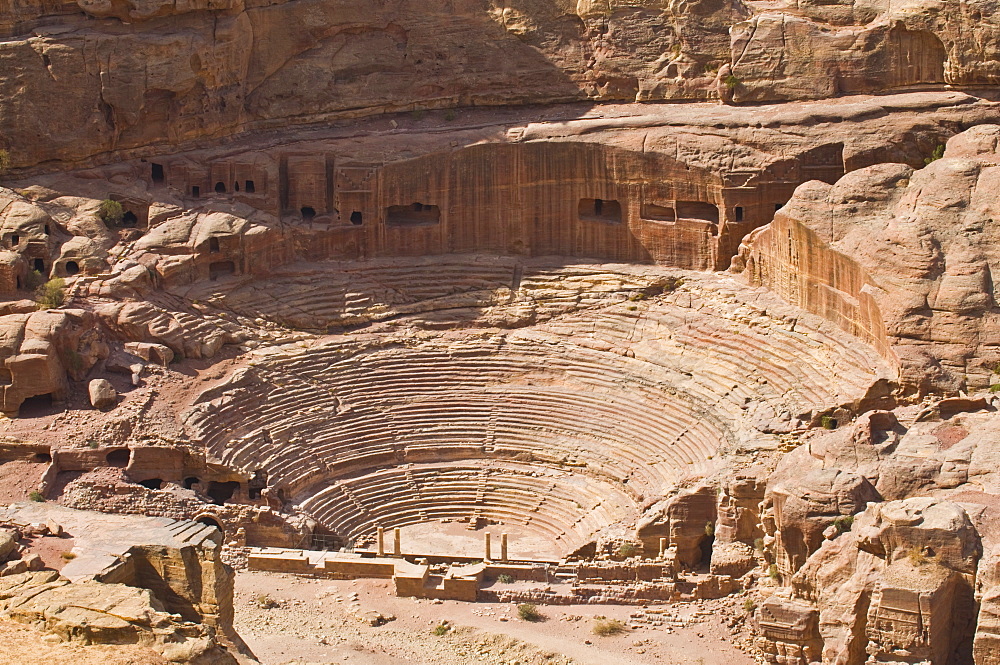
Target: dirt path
[(316, 621)]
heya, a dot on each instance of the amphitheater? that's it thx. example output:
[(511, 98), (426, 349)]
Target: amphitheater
[(679, 312), (559, 430)]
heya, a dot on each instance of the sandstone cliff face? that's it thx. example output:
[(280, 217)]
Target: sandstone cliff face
[(156, 72), (128, 76), (818, 50), (902, 258), (897, 588)]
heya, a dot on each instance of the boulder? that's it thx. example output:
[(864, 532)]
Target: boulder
[(8, 542), (102, 394), (154, 353)]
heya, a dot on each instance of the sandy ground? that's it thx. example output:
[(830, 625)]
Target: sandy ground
[(455, 539), (19, 478), (51, 549), (316, 621)]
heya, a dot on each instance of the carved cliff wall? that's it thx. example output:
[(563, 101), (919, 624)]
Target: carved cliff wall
[(124, 77), (902, 258)]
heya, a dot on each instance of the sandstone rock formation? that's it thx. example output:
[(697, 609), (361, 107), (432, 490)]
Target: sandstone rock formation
[(476, 294), (264, 66), (122, 583), (42, 350), (900, 257)]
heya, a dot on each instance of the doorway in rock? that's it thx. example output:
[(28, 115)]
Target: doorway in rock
[(210, 521), (221, 492), (37, 406), (220, 269), (118, 457)]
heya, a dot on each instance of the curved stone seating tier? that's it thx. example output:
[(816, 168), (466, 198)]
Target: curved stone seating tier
[(316, 295), (637, 394), (419, 404), (564, 507)]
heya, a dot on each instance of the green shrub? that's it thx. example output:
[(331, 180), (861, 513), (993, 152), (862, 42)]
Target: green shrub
[(916, 557), (67, 556), (671, 284), (627, 550), (51, 294), (772, 571), (111, 213), (758, 544), (75, 361), (995, 388), (749, 606), (441, 629), (709, 529), (505, 579), (731, 81), (936, 154), (449, 115), (605, 627), (843, 523), (33, 280), (528, 612), (265, 602), (36, 497), (828, 422), (4, 161)]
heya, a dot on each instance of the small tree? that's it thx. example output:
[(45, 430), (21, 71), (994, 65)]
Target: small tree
[(529, 612), (937, 154), (34, 280), (51, 294), (605, 627), (843, 523), (4, 161), (111, 212)]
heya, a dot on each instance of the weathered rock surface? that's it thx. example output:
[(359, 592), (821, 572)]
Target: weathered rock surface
[(153, 582), (102, 394), (901, 258), (42, 350), (166, 75)]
